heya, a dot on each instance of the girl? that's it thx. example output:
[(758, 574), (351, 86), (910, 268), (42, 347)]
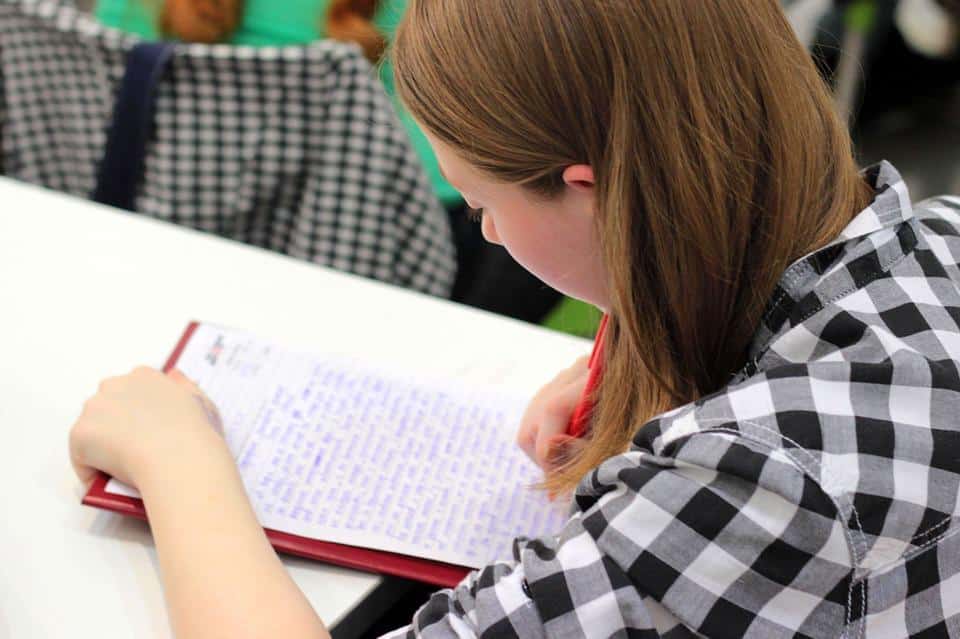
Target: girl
[(772, 449)]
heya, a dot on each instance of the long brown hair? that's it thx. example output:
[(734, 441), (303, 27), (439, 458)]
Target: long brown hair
[(212, 21), (718, 159)]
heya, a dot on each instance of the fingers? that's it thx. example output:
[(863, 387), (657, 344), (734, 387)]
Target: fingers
[(85, 473), (213, 415), (554, 421), (546, 421), (550, 410), (177, 375), (581, 365), (118, 384), (527, 437), (579, 369), (546, 434), (556, 449)]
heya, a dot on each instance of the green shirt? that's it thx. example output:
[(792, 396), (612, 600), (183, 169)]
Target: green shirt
[(289, 22)]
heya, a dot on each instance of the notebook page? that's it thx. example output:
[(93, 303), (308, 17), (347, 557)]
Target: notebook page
[(338, 450)]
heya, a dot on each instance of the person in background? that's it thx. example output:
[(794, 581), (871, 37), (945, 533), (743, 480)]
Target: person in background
[(369, 23)]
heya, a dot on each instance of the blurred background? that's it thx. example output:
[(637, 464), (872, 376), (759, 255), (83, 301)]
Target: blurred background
[(896, 70), (894, 66)]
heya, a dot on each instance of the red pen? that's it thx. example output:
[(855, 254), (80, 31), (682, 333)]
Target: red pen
[(580, 420)]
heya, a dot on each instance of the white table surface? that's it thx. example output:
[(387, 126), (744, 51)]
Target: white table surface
[(87, 292)]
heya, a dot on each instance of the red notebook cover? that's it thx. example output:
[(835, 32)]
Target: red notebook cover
[(387, 563)]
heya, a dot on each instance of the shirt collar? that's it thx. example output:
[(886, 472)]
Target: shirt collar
[(889, 207)]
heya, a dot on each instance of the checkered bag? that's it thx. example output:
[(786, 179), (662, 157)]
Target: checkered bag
[(294, 149)]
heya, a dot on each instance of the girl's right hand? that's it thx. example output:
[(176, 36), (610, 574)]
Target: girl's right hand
[(545, 422)]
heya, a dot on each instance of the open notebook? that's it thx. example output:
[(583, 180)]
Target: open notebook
[(362, 466)]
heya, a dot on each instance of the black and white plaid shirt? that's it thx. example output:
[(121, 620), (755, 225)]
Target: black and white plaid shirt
[(816, 496), (295, 149)]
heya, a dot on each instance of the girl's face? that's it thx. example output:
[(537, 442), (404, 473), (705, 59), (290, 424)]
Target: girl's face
[(554, 239)]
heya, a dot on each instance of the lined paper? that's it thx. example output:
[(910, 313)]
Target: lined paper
[(343, 451)]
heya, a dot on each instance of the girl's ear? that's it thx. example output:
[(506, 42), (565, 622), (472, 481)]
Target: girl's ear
[(579, 177)]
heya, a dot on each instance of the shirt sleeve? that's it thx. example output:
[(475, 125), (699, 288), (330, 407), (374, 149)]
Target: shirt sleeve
[(723, 538)]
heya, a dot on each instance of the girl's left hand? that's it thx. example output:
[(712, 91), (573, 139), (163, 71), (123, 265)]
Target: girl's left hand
[(141, 425)]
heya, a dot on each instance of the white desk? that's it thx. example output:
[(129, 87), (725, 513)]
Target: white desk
[(86, 293)]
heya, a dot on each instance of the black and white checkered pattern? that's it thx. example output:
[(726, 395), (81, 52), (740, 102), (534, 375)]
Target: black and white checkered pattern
[(815, 496), (296, 149)]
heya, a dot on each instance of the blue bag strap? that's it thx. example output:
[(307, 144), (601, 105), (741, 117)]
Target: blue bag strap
[(121, 168)]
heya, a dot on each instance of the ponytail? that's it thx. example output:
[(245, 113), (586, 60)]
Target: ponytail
[(350, 21)]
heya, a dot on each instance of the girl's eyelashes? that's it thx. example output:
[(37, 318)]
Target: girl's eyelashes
[(474, 215)]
